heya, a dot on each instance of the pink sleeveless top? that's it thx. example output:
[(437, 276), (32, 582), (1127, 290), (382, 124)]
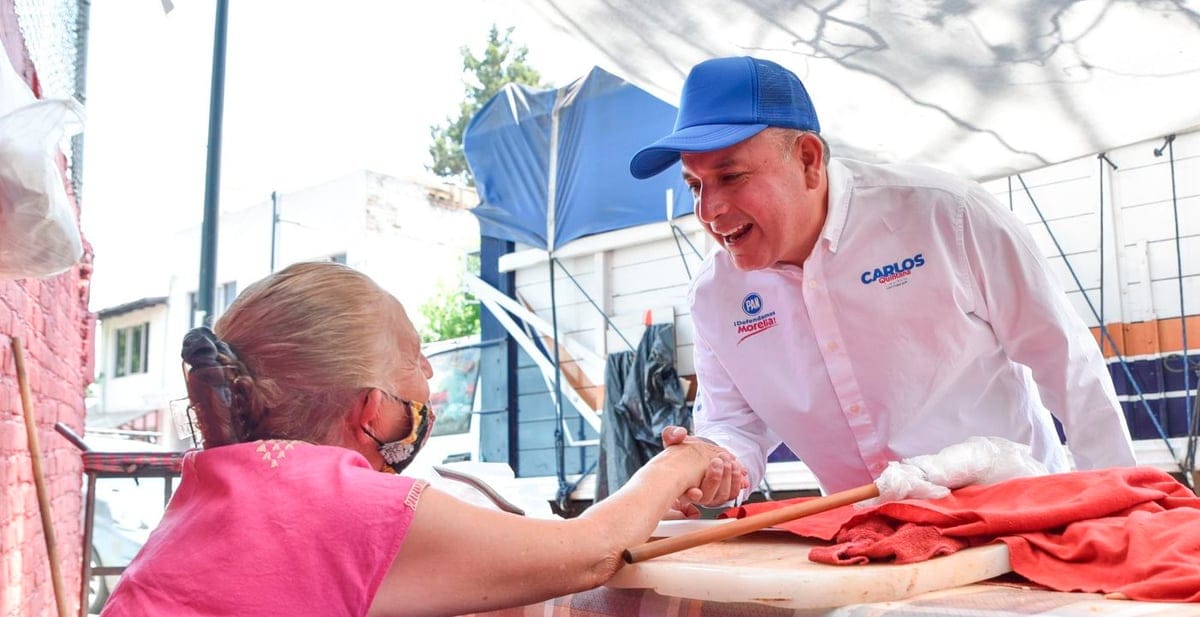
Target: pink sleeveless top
[(271, 528)]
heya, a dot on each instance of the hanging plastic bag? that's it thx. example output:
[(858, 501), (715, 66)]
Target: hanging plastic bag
[(38, 232)]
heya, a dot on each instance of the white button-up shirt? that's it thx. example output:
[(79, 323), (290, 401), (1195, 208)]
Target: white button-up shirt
[(924, 315)]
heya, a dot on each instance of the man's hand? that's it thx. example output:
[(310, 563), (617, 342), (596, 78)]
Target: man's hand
[(723, 480)]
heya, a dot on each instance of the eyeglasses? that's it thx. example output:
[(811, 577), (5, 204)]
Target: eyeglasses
[(420, 412)]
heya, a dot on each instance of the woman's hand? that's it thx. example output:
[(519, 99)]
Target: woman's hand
[(723, 476)]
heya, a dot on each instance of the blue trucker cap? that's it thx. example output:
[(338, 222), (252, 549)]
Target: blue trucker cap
[(725, 101)]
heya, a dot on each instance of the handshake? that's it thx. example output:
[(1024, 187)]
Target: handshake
[(978, 460)]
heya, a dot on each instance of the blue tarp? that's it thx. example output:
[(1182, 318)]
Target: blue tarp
[(600, 121)]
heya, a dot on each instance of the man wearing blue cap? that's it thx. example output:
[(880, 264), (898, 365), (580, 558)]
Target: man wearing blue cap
[(864, 313)]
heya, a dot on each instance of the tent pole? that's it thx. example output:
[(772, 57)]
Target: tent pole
[(551, 242), (559, 446)]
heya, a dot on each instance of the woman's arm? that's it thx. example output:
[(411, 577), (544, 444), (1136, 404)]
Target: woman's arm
[(458, 558)]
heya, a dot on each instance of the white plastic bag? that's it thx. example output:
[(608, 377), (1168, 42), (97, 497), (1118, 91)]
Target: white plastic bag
[(904, 481), (38, 232), (978, 460)]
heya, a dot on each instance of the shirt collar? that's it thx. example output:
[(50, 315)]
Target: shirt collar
[(838, 205)]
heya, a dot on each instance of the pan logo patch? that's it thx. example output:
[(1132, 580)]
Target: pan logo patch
[(752, 306)]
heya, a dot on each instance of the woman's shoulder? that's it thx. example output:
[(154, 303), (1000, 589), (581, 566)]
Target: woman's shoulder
[(284, 460)]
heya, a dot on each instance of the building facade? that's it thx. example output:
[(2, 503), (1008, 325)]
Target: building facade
[(411, 236)]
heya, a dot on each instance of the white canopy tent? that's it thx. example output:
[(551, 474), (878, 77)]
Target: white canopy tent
[(980, 88)]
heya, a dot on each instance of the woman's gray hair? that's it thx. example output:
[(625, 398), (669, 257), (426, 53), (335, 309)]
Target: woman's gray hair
[(290, 355)]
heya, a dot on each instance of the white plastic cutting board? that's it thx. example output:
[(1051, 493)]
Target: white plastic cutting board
[(772, 567)]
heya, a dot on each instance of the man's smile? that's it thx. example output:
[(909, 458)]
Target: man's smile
[(731, 238)]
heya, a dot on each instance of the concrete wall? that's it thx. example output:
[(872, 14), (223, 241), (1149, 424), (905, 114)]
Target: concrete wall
[(391, 229), (387, 227)]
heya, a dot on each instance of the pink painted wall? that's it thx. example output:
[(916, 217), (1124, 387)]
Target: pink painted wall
[(50, 316)]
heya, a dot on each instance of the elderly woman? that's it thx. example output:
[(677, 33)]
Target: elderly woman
[(312, 385)]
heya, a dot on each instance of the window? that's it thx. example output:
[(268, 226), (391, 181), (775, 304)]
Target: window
[(339, 258), (452, 389), (225, 296), (132, 350)]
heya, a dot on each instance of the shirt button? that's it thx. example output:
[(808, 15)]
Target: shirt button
[(854, 409), (812, 284), (831, 346)]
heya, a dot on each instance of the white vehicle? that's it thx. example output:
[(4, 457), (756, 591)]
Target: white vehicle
[(453, 395)]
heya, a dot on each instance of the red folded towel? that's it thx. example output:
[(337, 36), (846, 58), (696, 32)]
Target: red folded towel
[(1130, 530)]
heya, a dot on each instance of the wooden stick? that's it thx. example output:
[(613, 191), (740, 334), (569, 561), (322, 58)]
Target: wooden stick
[(39, 480), (754, 522)]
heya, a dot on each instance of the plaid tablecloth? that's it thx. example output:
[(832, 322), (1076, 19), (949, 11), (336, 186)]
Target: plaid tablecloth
[(985, 599)]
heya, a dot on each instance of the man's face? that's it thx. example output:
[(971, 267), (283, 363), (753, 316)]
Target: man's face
[(763, 207)]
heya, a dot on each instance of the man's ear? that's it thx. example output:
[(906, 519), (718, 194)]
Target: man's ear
[(810, 150)]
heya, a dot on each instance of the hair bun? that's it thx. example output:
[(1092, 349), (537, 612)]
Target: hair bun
[(202, 350)]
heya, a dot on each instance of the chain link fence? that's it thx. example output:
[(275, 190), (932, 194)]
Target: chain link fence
[(55, 33)]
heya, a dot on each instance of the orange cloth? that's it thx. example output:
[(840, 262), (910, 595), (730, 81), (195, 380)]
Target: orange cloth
[(1131, 530)]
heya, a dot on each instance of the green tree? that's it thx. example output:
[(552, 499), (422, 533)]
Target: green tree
[(502, 62), (450, 313)]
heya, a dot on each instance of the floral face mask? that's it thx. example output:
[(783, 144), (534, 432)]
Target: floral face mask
[(399, 453)]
